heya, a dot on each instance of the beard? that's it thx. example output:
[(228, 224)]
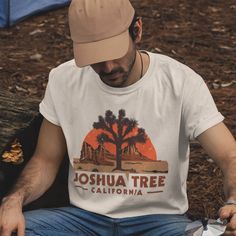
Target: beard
[(119, 76)]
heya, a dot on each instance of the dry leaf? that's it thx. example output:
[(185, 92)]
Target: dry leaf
[(15, 155), (36, 57), (37, 31), (33, 90), (20, 89)]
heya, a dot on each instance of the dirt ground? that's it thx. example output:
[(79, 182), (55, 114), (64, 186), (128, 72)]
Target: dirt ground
[(201, 34)]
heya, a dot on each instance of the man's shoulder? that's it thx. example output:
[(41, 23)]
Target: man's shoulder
[(68, 75), (173, 74), (67, 70), (169, 63), (65, 67), (174, 69)]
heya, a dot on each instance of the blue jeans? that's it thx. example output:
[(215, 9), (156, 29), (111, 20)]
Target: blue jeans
[(73, 221)]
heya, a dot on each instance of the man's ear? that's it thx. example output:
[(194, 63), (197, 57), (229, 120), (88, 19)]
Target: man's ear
[(138, 30)]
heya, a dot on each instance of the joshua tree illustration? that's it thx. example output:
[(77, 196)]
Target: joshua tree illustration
[(124, 127)]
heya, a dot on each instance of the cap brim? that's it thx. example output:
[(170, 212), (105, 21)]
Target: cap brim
[(103, 50)]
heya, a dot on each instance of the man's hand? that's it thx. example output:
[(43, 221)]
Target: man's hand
[(11, 217), (228, 212)]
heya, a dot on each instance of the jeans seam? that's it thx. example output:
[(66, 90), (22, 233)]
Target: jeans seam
[(59, 230)]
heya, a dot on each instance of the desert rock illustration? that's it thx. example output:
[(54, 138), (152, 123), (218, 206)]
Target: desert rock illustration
[(118, 145)]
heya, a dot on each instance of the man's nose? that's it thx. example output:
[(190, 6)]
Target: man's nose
[(107, 66)]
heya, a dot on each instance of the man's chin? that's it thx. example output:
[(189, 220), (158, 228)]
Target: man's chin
[(118, 82)]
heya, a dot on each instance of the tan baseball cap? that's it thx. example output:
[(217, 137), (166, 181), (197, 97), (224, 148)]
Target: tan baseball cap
[(99, 29)]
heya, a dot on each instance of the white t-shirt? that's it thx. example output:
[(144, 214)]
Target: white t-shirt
[(129, 147)]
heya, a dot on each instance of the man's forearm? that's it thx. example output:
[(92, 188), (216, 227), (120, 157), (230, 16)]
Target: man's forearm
[(229, 172), (34, 180)]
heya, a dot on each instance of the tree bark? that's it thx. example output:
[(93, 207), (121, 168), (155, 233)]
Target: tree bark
[(16, 113)]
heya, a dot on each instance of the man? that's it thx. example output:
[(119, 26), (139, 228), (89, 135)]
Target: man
[(126, 117)]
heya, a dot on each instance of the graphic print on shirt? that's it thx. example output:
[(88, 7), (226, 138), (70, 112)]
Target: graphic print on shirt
[(117, 157)]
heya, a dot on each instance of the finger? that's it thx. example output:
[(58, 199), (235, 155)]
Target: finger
[(229, 233), (0, 222), (6, 232), (231, 226), (226, 212), (225, 215), (21, 230)]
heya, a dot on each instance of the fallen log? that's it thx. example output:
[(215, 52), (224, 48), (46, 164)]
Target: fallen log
[(16, 113)]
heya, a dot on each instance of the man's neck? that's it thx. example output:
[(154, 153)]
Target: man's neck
[(140, 67)]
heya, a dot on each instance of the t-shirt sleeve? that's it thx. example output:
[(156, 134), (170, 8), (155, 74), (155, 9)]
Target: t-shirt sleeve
[(47, 106), (199, 110)]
